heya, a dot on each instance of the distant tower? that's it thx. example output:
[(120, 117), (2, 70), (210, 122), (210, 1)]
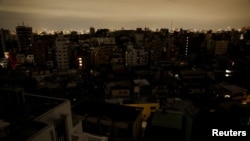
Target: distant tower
[(91, 31), (25, 37)]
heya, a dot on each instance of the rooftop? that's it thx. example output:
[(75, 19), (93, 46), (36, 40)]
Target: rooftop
[(23, 131), (233, 88), (113, 111), (19, 117), (141, 82)]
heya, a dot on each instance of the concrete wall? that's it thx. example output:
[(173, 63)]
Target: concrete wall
[(47, 134)]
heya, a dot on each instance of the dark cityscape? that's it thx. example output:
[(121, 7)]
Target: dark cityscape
[(127, 83)]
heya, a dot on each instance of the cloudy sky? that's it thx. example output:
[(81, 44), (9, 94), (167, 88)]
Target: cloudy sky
[(82, 14)]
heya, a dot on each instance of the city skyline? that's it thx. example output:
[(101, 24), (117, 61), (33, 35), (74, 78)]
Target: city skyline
[(79, 15)]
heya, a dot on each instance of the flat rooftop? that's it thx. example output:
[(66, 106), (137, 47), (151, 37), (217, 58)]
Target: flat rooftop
[(141, 82), (232, 88), (113, 111), (23, 131), (19, 118)]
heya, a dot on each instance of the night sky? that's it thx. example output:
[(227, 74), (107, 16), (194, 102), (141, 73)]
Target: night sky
[(82, 14)]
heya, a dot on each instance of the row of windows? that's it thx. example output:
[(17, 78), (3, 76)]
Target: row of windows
[(61, 58), (62, 55), (63, 66), (61, 62), (60, 51)]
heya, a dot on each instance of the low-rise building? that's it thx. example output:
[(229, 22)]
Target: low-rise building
[(118, 89), (227, 91), (117, 122), (135, 57), (29, 117), (20, 58), (41, 75), (141, 88), (148, 108), (4, 62), (174, 120), (35, 118)]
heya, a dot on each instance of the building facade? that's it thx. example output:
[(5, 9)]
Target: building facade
[(135, 57), (25, 38), (63, 53)]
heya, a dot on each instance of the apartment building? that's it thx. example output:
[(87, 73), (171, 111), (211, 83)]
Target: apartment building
[(62, 53)]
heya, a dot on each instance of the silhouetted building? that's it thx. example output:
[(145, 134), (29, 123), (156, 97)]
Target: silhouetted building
[(4, 39), (25, 38), (82, 56), (221, 47), (91, 31), (39, 49), (118, 61)]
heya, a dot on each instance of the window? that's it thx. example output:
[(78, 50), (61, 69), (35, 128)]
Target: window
[(152, 108)]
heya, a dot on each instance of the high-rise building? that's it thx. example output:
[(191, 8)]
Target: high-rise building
[(82, 57), (62, 53), (25, 37), (221, 47), (4, 35)]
